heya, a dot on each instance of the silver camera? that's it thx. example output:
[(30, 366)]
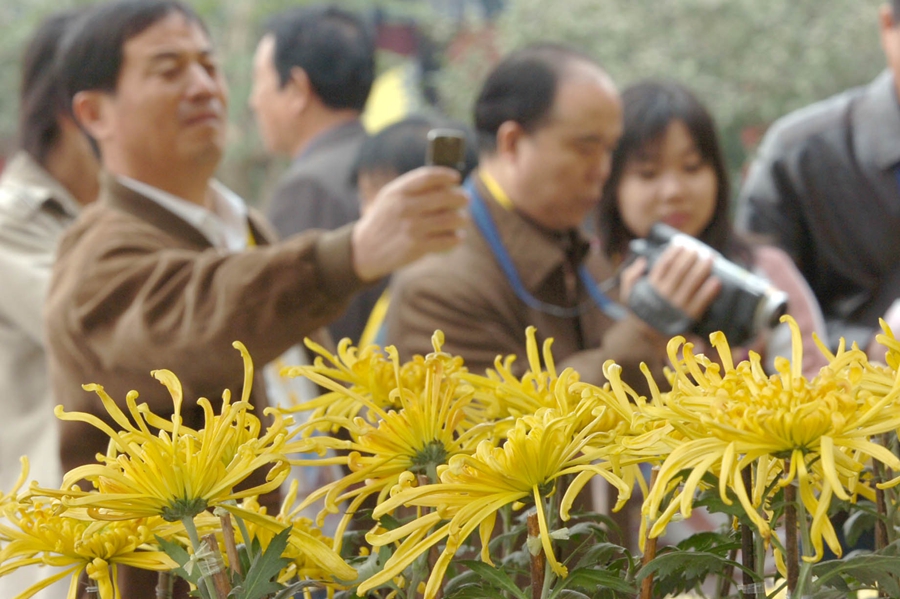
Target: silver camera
[(746, 305)]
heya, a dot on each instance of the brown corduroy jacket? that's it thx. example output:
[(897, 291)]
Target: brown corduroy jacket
[(135, 288), (465, 294)]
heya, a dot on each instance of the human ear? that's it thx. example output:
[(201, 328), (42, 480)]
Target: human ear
[(90, 109), (300, 90), (509, 135)]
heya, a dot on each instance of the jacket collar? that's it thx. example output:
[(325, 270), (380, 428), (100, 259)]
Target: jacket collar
[(536, 251), (23, 170), (123, 198), (877, 118), (336, 135)]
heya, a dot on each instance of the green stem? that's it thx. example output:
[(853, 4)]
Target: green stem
[(245, 534), (191, 528), (759, 543), (551, 508), (549, 577), (806, 548), (890, 441), (805, 580), (506, 518)]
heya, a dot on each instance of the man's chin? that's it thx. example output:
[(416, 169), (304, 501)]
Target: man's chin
[(205, 155)]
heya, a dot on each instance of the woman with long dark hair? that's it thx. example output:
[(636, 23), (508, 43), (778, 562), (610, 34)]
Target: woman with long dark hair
[(668, 167)]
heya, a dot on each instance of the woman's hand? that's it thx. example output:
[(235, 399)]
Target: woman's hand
[(681, 276)]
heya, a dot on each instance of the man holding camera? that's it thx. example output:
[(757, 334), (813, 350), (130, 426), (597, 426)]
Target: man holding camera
[(548, 119), (160, 272)]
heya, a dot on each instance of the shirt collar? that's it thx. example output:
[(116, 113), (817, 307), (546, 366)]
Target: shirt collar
[(877, 116), (225, 226), (24, 170), (536, 251)]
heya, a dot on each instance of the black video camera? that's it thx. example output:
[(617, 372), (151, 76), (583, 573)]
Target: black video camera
[(746, 305)]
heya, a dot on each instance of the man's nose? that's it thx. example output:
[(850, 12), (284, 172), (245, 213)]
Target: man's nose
[(202, 82), (604, 167)]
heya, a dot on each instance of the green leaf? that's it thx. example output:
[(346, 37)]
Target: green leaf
[(259, 582), (181, 557), (464, 578), (388, 522), (475, 591), (861, 520), (570, 594), (289, 591), (863, 570), (590, 579), (601, 553), (495, 576), (680, 571), (713, 542), (371, 565), (589, 528)]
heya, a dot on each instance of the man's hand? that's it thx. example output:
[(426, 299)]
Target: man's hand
[(417, 213)]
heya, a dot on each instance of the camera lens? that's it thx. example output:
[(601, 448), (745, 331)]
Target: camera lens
[(771, 307)]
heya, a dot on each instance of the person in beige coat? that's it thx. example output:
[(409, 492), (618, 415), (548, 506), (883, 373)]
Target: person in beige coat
[(50, 177), (168, 268), (548, 119)]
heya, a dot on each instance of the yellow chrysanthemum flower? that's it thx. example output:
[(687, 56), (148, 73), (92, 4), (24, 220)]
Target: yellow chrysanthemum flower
[(731, 417), (422, 434), (308, 549), (500, 394), (539, 449), (179, 472), (12, 494), (367, 372), (38, 535)]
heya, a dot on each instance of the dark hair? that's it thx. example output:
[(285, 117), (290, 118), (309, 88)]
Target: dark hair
[(649, 107), (521, 88), (41, 98), (401, 147), (92, 52), (333, 46)]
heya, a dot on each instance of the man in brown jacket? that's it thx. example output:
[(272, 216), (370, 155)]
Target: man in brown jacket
[(548, 119), (158, 273)]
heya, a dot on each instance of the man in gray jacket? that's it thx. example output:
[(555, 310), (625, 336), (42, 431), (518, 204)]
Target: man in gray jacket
[(826, 187), (312, 74)]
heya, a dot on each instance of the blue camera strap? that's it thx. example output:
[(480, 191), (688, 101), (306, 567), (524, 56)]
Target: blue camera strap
[(485, 223)]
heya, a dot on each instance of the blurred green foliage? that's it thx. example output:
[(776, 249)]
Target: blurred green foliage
[(751, 61)]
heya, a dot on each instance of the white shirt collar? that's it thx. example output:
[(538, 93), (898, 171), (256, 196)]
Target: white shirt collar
[(225, 226)]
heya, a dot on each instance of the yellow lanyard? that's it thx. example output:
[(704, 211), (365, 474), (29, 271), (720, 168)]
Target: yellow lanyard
[(495, 190), (376, 320)]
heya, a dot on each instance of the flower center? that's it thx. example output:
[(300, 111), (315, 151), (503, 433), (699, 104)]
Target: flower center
[(429, 457)]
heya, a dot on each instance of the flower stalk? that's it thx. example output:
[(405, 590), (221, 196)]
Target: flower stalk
[(649, 551), (538, 559), (206, 588), (805, 575), (216, 574), (748, 550), (234, 559), (792, 552), (881, 533), (165, 585)]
